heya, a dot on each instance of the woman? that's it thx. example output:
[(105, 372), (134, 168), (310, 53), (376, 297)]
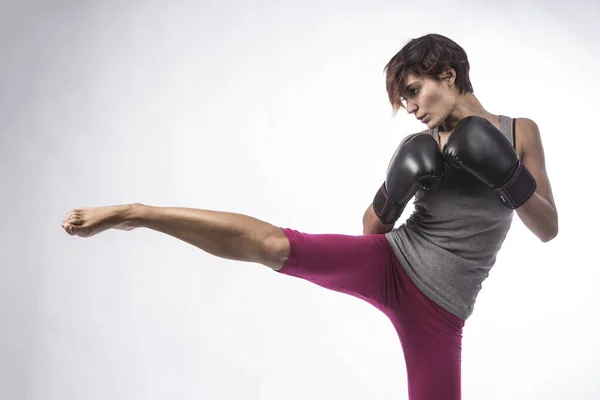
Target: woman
[(468, 172)]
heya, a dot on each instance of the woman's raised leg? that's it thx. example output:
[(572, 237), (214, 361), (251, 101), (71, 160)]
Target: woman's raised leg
[(357, 265)]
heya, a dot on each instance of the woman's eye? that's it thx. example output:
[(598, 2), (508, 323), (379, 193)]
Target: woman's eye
[(414, 91)]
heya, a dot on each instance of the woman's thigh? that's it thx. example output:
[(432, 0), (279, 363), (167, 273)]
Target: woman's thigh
[(361, 266), (431, 339)]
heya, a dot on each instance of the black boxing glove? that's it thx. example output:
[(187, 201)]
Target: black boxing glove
[(480, 148), (418, 162)]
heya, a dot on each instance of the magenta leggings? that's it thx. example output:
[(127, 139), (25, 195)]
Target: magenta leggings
[(366, 267)]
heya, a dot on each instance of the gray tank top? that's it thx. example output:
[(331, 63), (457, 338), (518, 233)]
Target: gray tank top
[(449, 243)]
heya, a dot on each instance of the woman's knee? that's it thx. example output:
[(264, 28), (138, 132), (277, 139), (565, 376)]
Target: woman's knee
[(276, 249)]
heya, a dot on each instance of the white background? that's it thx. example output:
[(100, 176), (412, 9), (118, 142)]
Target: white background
[(277, 110)]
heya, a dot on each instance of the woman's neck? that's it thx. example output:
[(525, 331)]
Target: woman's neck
[(467, 105)]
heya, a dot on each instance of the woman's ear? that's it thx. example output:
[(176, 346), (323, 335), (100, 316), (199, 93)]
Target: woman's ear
[(448, 76)]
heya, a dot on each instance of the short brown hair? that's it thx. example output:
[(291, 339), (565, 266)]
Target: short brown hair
[(426, 56)]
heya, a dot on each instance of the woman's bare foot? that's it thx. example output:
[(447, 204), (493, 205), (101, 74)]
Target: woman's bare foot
[(87, 222)]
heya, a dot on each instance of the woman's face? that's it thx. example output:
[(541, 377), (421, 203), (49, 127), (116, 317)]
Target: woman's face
[(431, 101)]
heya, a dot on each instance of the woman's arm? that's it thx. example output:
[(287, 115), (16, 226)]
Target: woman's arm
[(372, 225), (371, 222), (539, 212)]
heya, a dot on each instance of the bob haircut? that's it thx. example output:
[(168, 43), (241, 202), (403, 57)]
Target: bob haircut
[(427, 56)]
